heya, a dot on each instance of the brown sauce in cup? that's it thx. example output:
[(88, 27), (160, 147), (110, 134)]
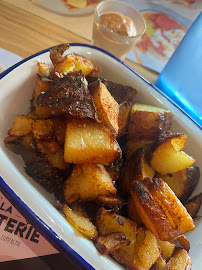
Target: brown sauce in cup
[(118, 23)]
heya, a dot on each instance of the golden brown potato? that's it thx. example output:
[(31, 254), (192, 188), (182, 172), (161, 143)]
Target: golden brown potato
[(149, 251), (166, 249), (179, 261), (107, 108), (183, 183), (108, 222), (160, 210), (168, 157), (136, 169), (79, 219), (56, 159), (148, 122), (143, 249), (124, 111), (73, 63), (132, 146), (89, 142), (110, 242), (43, 129), (160, 264), (87, 182), (193, 205), (21, 126)]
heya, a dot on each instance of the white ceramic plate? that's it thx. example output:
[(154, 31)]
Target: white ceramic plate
[(58, 6), (16, 86)]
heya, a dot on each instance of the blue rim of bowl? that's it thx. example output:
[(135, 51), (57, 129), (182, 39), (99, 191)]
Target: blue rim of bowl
[(45, 230)]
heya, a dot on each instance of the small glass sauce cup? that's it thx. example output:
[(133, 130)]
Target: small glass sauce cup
[(117, 44)]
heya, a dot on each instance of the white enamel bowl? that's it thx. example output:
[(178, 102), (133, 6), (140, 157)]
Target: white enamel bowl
[(16, 86)]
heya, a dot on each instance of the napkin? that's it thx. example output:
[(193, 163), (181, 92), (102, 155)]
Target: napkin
[(7, 59), (181, 78)]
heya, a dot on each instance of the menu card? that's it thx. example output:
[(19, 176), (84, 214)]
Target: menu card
[(18, 238)]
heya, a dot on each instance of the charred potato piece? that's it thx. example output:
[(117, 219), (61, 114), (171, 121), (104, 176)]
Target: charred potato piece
[(107, 108), (110, 242), (136, 169), (12, 139), (132, 212), (183, 183), (179, 261), (110, 201), (56, 53), (124, 111), (119, 92), (87, 182), (69, 95), (160, 210), (21, 126), (193, 205), (79, 219), (89, 142), (167, 155), (45, 174), (148, 122)]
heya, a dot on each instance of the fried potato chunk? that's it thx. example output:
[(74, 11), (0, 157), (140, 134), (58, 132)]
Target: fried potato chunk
[(136, 169), (89, 142), (74, 62), (124, 112), (42, 85), (193, 205), (184, 242), (148, 122), (56, 159), (168, 157), (21, 126), (107, 108), (149, 251), (109, 222), (179, 261), (183, 183), (160, 264), (87, 182), (160, 210), (141, 253), (110, 242), (166, 249), (79, 219)]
